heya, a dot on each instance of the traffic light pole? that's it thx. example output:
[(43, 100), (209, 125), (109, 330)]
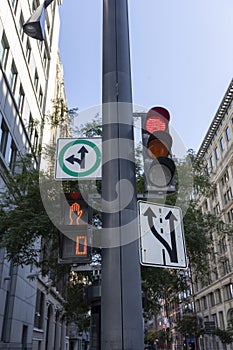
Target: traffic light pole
[(121, 301)]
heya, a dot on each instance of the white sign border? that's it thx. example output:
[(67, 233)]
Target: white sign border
[(97, 173), (169, 266)]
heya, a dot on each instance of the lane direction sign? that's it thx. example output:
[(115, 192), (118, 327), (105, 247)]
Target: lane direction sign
[(161, 236), (78, 158)]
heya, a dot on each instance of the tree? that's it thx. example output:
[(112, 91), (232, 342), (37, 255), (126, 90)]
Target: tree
[(226, 336), (23, 219), (189, 325)]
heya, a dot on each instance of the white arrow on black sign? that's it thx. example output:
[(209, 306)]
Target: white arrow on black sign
[(161, 235)]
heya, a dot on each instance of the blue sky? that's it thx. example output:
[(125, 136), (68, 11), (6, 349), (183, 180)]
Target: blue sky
[(181, 57)]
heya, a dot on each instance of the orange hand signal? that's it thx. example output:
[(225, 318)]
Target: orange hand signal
[(75, 208)]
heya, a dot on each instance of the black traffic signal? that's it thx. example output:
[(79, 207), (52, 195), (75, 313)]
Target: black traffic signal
[(159, 168), (74, 234)]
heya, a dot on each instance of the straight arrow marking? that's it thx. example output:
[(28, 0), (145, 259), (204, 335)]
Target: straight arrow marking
[(172, 250), (80, 161)]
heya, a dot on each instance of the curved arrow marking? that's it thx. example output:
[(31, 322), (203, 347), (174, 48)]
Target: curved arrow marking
[(80, 161), (172, 250)]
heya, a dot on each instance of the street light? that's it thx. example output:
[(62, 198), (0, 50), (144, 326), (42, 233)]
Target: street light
[(35, 26)]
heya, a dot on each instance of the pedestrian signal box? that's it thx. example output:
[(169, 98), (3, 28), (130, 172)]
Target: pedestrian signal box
[(74, 233)]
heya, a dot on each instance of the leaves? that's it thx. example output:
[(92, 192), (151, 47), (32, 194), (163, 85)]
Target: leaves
[(226, 336), (92, 128), (23, 218), (189, 325)]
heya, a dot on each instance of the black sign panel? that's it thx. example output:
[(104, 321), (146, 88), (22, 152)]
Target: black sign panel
[(209, 326), (74, 244)]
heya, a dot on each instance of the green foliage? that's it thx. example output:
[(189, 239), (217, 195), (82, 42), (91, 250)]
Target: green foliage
[(150, 336), (189, 325), (159, 284), (23, 219), (226, 336), (61, 114), (76, 310), (197, 227), (91, 129)]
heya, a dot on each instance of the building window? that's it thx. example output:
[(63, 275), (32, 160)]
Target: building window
[(206, 205), (1, 118), (39, 311), (36, 80), (229, 291), (4, 138), (30, 126), (35, 4), (28, 50), (222, 245), (222, 144), (20, 26), (230, 215), (227, 196), (218, 296), (48, 24), (214, 193), (12, 156), (212, 162), (14, 4), (216, 153), (41, 98), (4, 50), (13, 77), (225, 178), (198, 305), (21, 99), (217, 209), (204, 302), (211, 299), (45, 60), (228, 133), (214, 318), (35, 142), (221, 320), (226, 267), (24, 337), (215, 274)]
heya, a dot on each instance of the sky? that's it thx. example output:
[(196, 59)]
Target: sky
[(181, 58)]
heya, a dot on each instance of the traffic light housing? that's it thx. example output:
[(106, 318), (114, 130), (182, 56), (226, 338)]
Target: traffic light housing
[(159, 168), (74, 233)]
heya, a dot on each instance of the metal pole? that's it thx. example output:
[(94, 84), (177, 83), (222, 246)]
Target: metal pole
[(121, 300)]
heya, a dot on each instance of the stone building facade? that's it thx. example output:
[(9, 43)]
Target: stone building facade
[(214, 300)]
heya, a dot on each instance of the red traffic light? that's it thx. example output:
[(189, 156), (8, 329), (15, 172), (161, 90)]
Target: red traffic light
[(157, 120)]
